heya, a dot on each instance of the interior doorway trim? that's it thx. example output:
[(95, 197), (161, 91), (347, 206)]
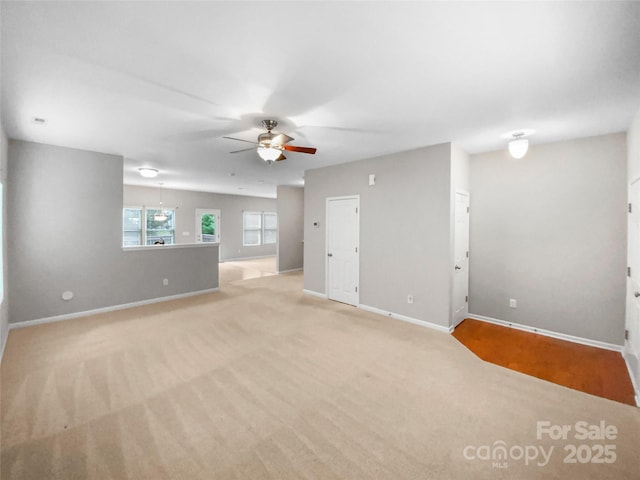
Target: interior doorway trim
[(355, 298), (460, 260)]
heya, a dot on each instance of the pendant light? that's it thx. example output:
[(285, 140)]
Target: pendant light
[(160, 216)]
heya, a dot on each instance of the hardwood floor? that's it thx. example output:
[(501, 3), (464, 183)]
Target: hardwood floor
[(588, 369)]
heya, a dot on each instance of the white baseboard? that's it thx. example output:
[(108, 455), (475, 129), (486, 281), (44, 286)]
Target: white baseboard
[(292, 270), (549, 333), (626, 354), (405, 318), (314, 293), (633, 383), (385, 313), (112, 308), (4, 344)]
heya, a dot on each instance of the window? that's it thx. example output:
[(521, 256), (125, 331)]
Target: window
[(252, 225), (131, 226), (159, 226), (259, 228), (270, 231)]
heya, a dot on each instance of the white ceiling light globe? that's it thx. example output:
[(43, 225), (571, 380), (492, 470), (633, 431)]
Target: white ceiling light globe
[(518, 148), (269, 154), (148, 172)]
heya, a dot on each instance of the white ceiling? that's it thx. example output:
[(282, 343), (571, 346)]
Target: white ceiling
[(161, 82)]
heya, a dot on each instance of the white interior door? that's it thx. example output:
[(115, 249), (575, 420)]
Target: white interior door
[(461, 258), (343, 227), (632, 325), (207, 225)]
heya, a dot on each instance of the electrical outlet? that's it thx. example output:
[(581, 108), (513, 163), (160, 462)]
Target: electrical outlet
[(513, 303), (165, 282), (409, 298)]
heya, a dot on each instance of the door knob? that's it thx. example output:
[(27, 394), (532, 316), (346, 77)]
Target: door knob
[(330, 254), (458, 268), (636, 294)]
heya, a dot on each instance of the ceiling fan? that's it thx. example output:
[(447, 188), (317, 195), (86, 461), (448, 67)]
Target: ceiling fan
[(271, 145)]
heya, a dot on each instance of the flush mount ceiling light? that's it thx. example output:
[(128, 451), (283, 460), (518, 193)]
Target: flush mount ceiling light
[(148, 172), (518, 147)]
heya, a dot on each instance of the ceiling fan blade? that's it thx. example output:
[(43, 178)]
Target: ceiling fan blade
[(281, 157), (292, 148), (241, 140), (281, 139), (243, 150)]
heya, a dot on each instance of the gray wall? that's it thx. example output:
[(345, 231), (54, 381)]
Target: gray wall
[(230, 206), (64, 233), (633, 149), (405, 224), (290, 228), (549, 230), (4, 308)]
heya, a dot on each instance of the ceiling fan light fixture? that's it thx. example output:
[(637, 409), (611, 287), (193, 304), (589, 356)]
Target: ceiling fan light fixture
[(270, 146), (269, 154), (148, 172), (519, 146)]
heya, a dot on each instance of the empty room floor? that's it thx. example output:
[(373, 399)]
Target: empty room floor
[(235, 270), (589, 369), (260, 381)]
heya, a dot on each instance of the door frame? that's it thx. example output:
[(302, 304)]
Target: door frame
[(198, 220), (455, 323), (326, 244), (630, 353)]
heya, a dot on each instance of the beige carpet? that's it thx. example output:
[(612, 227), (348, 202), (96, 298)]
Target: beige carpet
[(259, 381), (233, 271)]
